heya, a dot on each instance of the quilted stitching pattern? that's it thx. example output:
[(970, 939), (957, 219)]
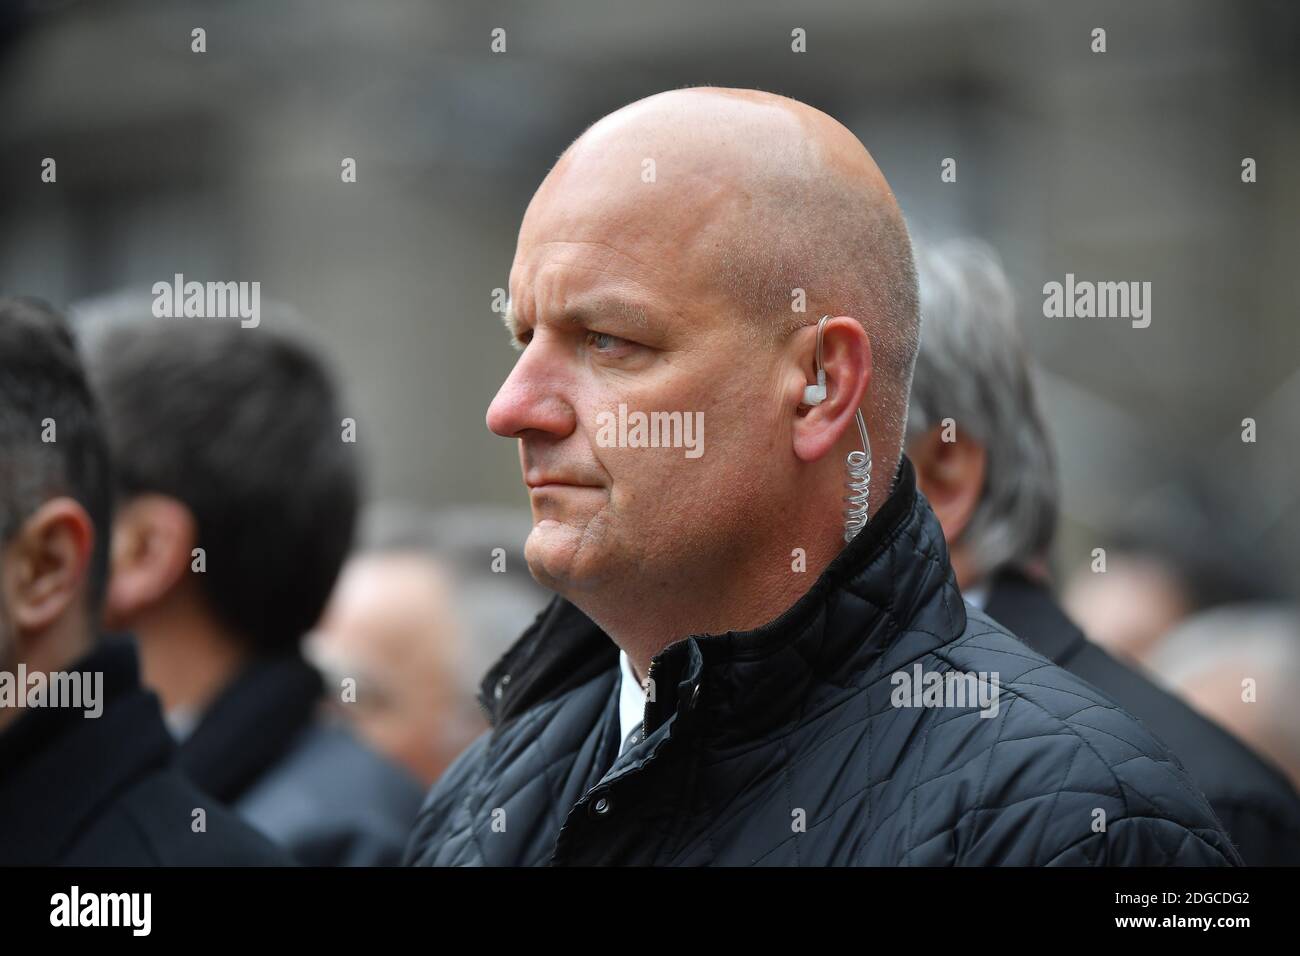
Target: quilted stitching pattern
[(873, 784)]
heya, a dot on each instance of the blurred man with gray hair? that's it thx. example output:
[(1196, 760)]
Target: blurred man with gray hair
[(984, 461), (423, 607), (1240, 665)]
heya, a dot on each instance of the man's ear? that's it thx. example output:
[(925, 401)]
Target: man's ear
[(951, 476), (153, 536), (47, 564), (846, 358)]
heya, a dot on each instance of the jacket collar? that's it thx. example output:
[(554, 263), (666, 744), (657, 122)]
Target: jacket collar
[(561, 650), (59, 768), (251, 725), (752, 680)]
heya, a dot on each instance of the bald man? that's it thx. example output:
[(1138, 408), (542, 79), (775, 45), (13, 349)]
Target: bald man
[(721, 678)]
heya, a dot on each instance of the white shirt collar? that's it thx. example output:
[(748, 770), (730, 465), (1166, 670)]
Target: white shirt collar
[(977, 596), (181, 723), (631, 698)]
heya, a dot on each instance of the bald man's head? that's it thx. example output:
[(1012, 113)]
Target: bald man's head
[(669, 262), (771, 196)]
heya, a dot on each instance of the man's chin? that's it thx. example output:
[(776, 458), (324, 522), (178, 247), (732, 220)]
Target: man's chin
[(561, 556)]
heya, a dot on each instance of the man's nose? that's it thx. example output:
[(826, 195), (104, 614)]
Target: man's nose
[(533, 398)]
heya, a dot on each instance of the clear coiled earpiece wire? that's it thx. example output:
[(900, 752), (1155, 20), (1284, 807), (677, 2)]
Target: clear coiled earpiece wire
[(858, 462)]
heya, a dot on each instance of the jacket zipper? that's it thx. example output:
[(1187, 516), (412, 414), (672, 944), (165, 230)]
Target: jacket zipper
[(645, 709)]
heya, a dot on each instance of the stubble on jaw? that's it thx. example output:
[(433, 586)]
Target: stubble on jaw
[(566, 579)]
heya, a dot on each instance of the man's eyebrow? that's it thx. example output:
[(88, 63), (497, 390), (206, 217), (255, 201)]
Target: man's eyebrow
[(586, 311), (618, 308)]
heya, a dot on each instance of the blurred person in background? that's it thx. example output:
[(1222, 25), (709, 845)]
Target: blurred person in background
[(238, 497), (92, 784), (1160, 572), (421, 609), (1240, 666), (985, 463), (716, 681)]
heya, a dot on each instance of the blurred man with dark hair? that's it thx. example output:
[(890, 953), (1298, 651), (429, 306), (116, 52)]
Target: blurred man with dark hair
[(984, 461), (85, 779), (238, 495)]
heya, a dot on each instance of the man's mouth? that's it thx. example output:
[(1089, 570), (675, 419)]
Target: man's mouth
[(539, 482)]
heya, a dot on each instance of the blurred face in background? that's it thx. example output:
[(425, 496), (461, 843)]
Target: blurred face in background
[(391, 626), (616, 300), (1131, 608)]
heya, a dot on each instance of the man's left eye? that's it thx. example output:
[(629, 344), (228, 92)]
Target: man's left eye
[(604, 342)]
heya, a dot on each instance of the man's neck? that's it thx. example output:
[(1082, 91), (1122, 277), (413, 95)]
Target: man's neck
[(751, 586), (186, 659), (55, 650), (746, 595)]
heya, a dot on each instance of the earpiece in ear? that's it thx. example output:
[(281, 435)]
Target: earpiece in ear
[(859, 462), (816, 394)]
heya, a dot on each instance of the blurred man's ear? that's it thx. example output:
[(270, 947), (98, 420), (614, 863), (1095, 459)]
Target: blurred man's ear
[(951, 476), (45, 567), (153, 536)]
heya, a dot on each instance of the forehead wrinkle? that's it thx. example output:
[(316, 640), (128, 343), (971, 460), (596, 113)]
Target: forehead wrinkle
[(611, 250), (577, 307)]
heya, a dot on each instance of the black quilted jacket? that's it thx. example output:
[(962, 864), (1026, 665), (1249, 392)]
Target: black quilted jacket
[(787, 744)]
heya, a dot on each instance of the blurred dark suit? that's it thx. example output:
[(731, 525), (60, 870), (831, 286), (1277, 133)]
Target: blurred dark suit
[(104, 791), (263, 748), (1254, 801)]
